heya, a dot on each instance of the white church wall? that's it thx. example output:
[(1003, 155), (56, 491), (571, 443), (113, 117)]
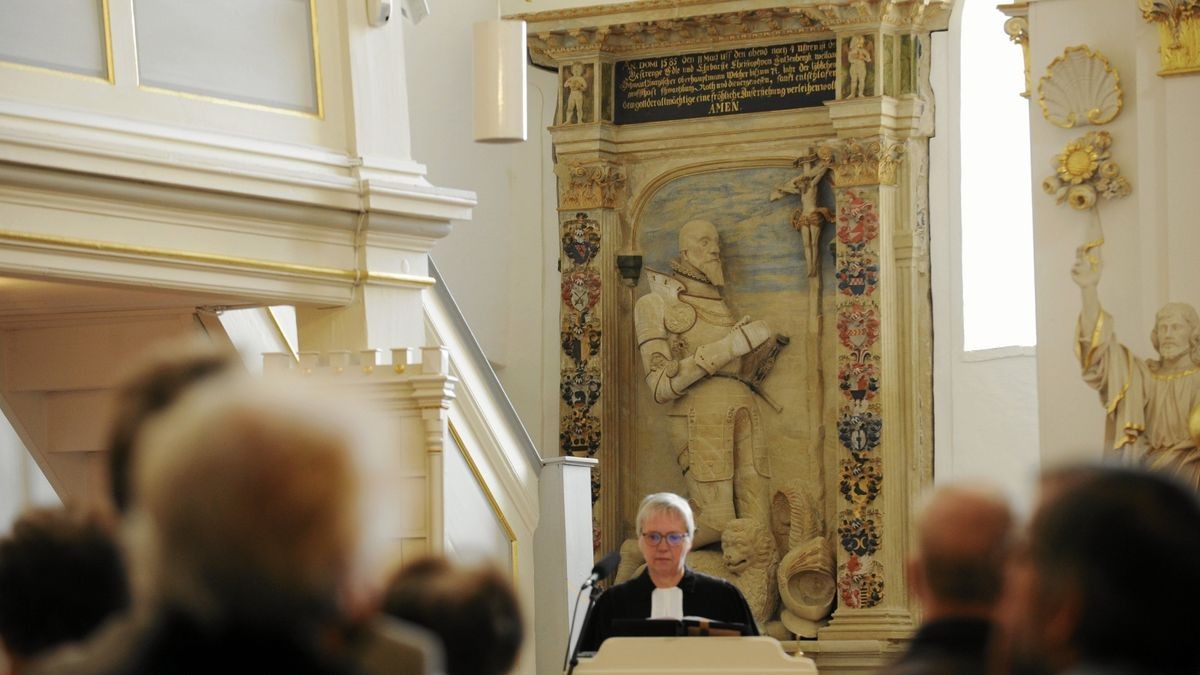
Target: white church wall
[(1151, 239), (500, 266)]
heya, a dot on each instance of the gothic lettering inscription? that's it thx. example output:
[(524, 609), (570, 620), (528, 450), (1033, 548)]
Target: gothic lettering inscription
[(726, 82)]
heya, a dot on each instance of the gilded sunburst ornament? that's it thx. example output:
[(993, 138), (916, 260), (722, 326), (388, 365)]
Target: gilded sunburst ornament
[(1085, 171), (1078, 162)]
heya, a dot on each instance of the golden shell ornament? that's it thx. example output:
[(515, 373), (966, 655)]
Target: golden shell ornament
[(1080, 87), (1085, 172)]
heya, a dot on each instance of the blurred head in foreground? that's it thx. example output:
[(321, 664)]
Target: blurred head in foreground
[(1111, 556), (61, 576), (156, 382), (963, 537), (473, 610), (258, 502)]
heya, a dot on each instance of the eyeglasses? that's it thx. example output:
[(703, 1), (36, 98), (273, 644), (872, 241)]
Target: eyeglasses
[(674, 539)]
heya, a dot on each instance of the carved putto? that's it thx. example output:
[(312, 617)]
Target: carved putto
[(1080, 87), (578, 85)]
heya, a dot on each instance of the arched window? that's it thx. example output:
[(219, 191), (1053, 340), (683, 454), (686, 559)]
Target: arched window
[(997, 220)]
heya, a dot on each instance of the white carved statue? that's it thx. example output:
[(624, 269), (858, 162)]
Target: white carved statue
[(748, 559), (1148, 401), (859, 56), (577, 84), (708, 366), (809, 218)]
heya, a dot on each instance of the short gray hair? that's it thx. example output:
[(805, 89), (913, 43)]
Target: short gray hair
[(666, 502)]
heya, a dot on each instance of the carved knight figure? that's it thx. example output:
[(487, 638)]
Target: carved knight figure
[(708, 366), (1149, 402)]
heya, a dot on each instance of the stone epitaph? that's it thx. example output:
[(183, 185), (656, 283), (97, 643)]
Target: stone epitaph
[(647, 117)]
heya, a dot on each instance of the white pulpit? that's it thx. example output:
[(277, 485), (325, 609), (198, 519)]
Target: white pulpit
[(661, 655)]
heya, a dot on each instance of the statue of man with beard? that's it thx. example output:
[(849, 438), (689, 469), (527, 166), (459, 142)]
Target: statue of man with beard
[(1151, 404), (696, 356)]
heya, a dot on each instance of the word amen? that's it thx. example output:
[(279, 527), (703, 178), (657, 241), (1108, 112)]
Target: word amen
[(758, 79)]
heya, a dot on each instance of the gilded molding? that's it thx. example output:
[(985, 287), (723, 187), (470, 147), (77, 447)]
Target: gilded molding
[(509, 532), (1016, 27), (102, 247), (1178, 33), (858, 162), (591, 186)]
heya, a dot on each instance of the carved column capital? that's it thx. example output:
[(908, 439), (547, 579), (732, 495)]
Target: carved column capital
[(1017, 30), (590, 186), (1178, 33), (863, 161)]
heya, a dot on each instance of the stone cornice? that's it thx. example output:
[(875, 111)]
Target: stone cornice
[(268, 177), (670, 25)]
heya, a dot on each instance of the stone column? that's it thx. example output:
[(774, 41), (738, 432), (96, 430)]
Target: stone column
[(591, 330), (884, 350)]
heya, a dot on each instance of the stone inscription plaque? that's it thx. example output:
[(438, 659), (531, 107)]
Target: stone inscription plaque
[(726, 82)]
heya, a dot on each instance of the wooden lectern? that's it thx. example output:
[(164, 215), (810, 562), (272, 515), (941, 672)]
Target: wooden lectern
[(662, 655)]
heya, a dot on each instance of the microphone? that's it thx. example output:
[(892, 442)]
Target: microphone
[(603, 569)]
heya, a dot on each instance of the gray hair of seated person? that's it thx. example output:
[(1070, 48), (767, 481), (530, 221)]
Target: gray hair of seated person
[(665, 502), (258, 501)]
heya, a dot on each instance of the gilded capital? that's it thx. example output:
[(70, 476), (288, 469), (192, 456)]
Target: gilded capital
[(1178, 33), (863, 162), (590, 186), (1171, 12)]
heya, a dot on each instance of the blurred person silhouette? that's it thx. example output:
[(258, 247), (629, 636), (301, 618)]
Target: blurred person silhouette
[(151, 388), (251, 530), (61, 576), (167, 372), (964, 534), (473, 610), (148, 388), (1111, 559)]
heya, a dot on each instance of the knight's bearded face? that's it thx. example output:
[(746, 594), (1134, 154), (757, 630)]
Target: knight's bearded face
[(704, 253)]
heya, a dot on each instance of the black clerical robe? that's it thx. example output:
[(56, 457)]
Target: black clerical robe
[(703, 596)]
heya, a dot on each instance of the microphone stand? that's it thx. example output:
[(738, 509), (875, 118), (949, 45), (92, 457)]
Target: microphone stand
[(587, 615)]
